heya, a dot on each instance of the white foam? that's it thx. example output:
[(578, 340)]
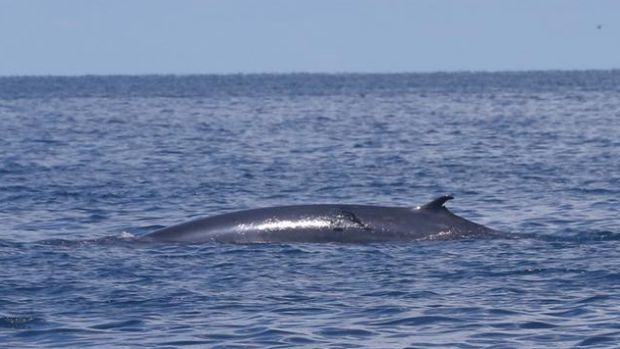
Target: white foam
[(126, 235)]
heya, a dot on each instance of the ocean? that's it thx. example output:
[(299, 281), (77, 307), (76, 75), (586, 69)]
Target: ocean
[(89, 163)]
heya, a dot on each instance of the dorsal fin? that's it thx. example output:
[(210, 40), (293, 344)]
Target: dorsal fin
[(437, 203)]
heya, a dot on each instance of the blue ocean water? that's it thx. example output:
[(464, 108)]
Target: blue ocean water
[(88, 163)]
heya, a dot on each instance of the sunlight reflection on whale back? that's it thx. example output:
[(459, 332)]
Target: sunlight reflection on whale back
[(277, 224)]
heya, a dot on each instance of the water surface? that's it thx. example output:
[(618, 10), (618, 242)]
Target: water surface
[(87, 163)]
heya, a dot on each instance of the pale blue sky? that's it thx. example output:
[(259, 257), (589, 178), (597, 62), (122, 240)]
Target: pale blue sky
[(73, 37)]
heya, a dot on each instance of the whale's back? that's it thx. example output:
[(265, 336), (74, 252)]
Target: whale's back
[(327, 223)]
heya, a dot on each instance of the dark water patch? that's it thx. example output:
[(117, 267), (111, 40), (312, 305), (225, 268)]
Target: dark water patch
[(127, 325), (337, 332), (570, 235), (417, 321), (125, 239), (184, 343), (302, 311), (55, 333), (535, 325), (570, 313), (596, 298), (599, 341)]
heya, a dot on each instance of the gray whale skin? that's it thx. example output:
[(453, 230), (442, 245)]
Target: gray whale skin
[(328, 223)]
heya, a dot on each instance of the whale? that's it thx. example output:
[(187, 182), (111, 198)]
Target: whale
[(325, 223)]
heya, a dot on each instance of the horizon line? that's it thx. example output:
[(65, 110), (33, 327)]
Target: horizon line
[(352, 73)]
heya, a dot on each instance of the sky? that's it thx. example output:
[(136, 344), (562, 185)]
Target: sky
[(78, 37)]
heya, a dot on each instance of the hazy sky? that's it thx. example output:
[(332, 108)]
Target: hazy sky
[(69, 37)]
